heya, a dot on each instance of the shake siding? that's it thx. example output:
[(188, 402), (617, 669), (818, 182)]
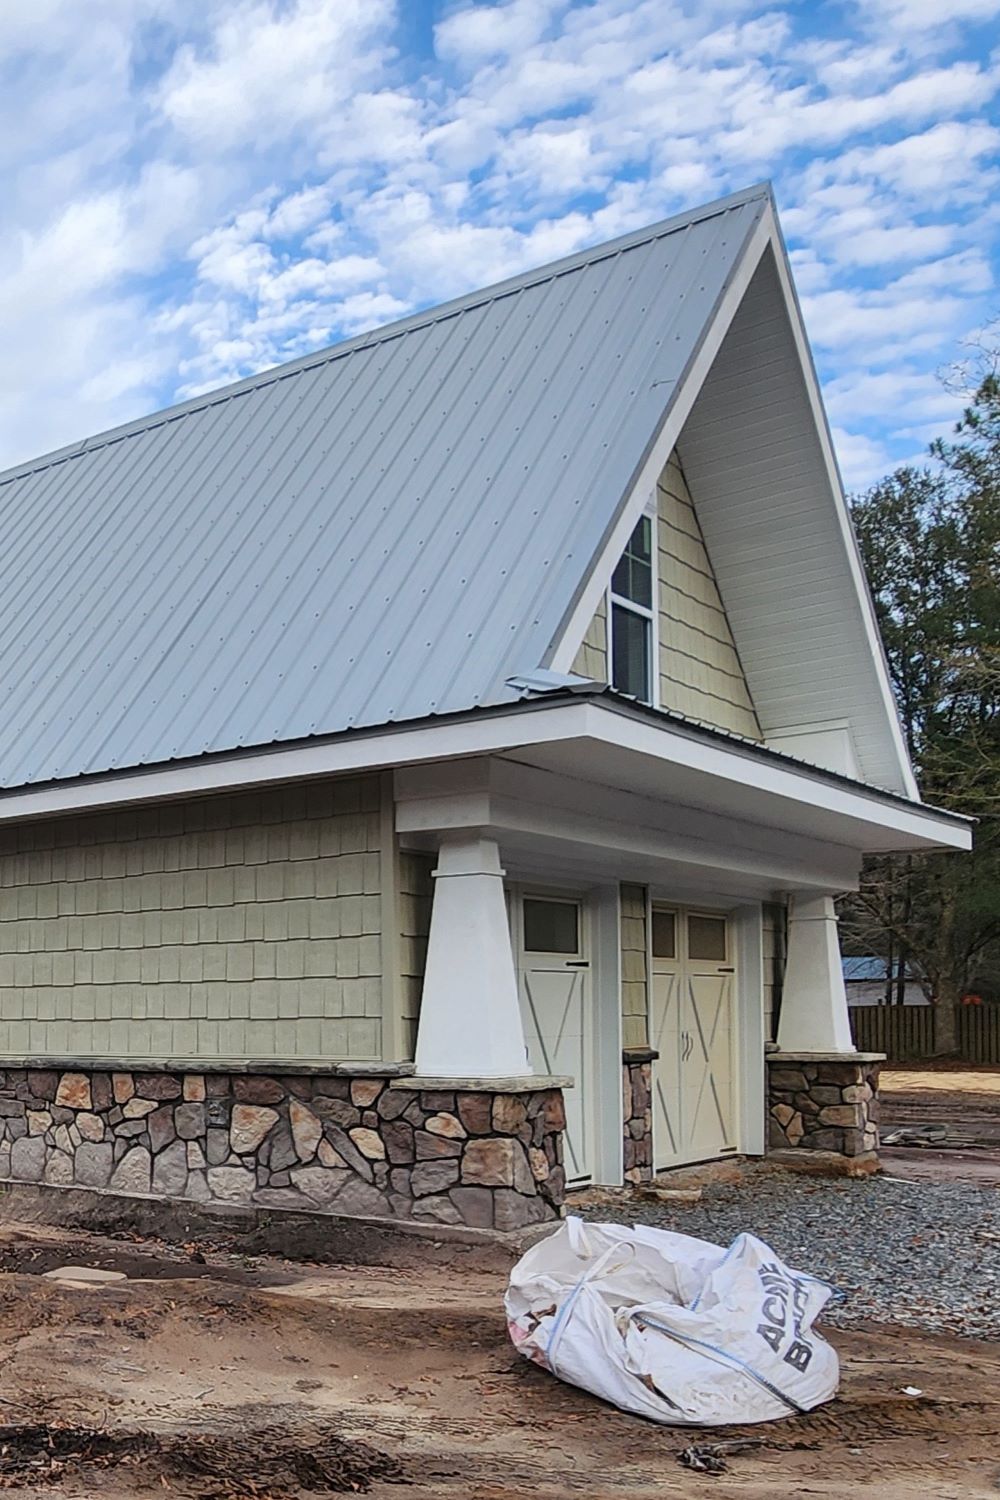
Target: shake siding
[(635, 997), (592, 658), (415, 894), (700, 671), (225, 928)]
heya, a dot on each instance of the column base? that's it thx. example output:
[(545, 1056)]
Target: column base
[(825, 1103)]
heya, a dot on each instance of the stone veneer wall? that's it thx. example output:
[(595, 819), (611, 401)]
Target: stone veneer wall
[(823, 1104), (318, 1142), (637, 1113)]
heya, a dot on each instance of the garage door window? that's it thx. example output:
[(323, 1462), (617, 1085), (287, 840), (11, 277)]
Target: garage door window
[(551, 926), (707, 939)]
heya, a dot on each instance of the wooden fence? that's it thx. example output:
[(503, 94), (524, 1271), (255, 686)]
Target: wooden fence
[(905, 1033)]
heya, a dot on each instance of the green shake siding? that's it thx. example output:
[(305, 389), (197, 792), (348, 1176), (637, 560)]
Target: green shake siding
[(232, 927)]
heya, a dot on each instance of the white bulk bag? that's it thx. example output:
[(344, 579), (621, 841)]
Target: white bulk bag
[(671, 1327)]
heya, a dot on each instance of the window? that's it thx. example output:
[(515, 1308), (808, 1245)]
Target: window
[(664, 934), (551, 926), (632, 616), (707, 938)]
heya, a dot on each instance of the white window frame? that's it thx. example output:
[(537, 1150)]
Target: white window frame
[(650, 512)]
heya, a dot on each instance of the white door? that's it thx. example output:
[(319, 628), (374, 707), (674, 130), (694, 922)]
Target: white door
[(555, 1003), (694, 1078)]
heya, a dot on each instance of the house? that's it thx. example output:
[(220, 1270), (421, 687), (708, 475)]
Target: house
[(427, 768), (866, 979)]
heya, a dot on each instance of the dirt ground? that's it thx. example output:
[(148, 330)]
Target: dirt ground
[(208, 1373), (965, 1100)]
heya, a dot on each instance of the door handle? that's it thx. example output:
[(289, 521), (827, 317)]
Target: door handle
[(578, 963)]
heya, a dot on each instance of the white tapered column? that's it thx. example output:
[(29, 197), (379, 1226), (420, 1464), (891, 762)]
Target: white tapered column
[(814, 1014), (470, 1016)]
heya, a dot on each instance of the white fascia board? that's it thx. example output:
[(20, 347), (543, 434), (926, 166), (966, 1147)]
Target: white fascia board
[(564, 652), (489, 733), (864, 598), (785, 781)]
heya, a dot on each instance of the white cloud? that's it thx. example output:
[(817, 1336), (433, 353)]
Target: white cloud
[(193, 193)]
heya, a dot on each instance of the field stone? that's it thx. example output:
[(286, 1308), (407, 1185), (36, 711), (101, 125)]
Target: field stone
[(62, 1140), (161, 1128), (189, 1121), (132, 1174), (198, 1188), (474, 1205), (170, 1170), (328, 1157), (446, 1125), (339, 1111), (39, 1121), (157, 1086), (369, 1143), (193, 1088), (91, 1127), (258, 1090), (475, 1112), (509, 1114), (216, 1146), (307, 1131), (357, 1197), (398, 1138), (74, 1091), (513, 1211), (122, 1087), (433, 1177), (392, 1103), (430, 1147), (283, 1153), (27, 1158), (490, 1163), (439, 1210), (365, 1091), (248, 1127), (43, 1084), (195, 1155), (317, 1183), (137, 1109), (59, 1168), (93, 1164), (231, 1184)]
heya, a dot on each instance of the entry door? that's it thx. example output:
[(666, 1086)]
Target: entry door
[(694, 1093), (554, 968)]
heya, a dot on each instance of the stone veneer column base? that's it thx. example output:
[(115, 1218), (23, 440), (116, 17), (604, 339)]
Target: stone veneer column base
[(824, 1102), (485, 1153), (637, 1113)]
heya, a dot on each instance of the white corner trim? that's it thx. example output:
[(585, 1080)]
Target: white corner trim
[(564, 653)]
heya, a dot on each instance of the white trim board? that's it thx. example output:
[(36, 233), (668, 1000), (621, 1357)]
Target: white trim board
[(585, 739)]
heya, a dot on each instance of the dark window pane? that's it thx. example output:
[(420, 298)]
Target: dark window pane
[(707, 938), (630, 652), (551, 926), (633, 577), (664, 934)]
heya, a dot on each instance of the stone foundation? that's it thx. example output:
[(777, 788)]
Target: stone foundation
[(823, 1102), (637, 1113), (490, 1157)]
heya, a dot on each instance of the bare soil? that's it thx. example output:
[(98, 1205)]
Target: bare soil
[(231, 1376), (965, 1100)]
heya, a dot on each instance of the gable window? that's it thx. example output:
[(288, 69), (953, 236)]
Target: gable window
[(632, 616)]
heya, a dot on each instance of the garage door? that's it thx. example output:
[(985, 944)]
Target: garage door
[(555, 1004), (694, 1078)]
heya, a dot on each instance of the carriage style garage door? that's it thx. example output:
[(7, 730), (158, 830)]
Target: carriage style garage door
[(555, 982), (694, 1079)]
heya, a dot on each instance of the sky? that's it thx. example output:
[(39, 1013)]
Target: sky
[(193, 192)]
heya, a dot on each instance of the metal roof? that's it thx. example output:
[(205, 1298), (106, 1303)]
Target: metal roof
[(386, 530)]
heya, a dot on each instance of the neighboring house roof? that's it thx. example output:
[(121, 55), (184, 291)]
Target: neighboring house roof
[(867, 969), (388, 529)]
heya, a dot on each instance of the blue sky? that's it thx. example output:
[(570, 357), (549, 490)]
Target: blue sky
[(194, 192)]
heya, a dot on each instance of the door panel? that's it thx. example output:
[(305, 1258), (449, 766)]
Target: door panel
[(694, 1093), (556, 1011)]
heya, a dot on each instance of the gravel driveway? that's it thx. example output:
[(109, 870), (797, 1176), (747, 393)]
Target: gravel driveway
[(923, 1254)]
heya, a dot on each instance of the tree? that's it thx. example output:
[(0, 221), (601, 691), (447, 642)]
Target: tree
[(930, 539)]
